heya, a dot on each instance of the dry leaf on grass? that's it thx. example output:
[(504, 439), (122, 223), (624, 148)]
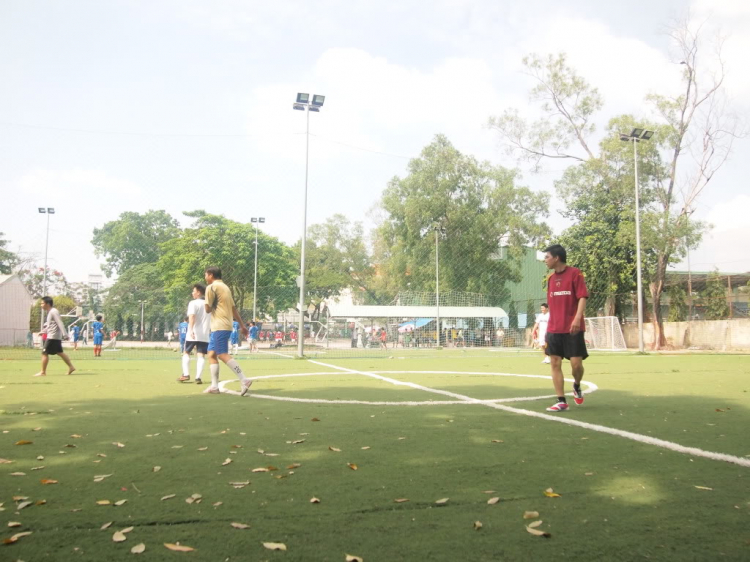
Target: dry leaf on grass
[(101, 455), (5, 461), (535, 524), (488, 492), (530, 514), (538, 533), (352, 558), (119, 536), (38, 468), (498, 441), (14, 524), (17, 536), (39, 458), (177, 547), (126, 530), (46, 481), (177, 446), (169, 497), (217, 504), (121, 502), (703, 488), (203, 448), (588, 473), (352, 465), (40, 502), (100, 477), (315, 419), (314, 500), (22, 505), (24, 442), (493, 501), (118, 444), (19, 498), (297, 442), (275, 545), (477, 525), (442, 501), (240, 526), (365, 448), (226, 462), (293, 466), (334, 449), (260, 469), (400, 500), (138, 549), (550, 493), (156, 469), (103, 502), (107, 525), (76, 436), (18, 474)]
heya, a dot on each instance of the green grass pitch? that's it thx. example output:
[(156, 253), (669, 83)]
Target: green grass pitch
[(620, 499)]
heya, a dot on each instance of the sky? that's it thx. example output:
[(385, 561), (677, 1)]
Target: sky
[(179, 105)]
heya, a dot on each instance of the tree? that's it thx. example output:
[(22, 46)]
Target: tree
[(698, 118), (141, 282), (483, 220), (8, 259), (33, 278), (336, 258), (213, 240), (678, 307), (133, 239), (714, 297)]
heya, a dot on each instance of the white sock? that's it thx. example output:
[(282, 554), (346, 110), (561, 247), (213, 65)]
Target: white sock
[(214, 368), (199, 367), (232, 364), (185, 365)]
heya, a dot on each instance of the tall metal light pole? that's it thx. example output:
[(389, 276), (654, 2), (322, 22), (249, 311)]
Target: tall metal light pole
[(142, 303), (256, 220), (636, 136), (48, 211), (304, 103), (438, 230)]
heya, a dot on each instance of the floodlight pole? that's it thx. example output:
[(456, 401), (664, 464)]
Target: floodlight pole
[(45, 210), (639, 280), (255, 276), (437, 284), (143, 303), (301, 327)]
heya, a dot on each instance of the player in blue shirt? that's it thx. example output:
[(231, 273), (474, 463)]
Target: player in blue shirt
[(234, 337), (254, 329), (183, 329), (98, 329), (76, 336)]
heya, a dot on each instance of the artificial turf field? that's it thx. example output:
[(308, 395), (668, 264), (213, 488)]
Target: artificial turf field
[(620, 499)]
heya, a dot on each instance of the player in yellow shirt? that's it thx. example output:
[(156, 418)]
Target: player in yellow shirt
[(220, 304)]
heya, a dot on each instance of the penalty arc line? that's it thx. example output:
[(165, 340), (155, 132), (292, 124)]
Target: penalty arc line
[(676, 447)]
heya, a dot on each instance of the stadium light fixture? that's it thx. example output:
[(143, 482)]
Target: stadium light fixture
[(303, 103), (256, 220), (636, 135)]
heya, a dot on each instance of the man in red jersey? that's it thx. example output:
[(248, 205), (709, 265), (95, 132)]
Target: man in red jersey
[(566, 296)]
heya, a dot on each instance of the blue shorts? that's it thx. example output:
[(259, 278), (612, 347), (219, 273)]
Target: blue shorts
[(98, 339), (75, 338), (219, 341), (235, 339)]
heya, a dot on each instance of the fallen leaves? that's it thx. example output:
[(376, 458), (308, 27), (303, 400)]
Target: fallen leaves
[(23, 504), (532, 529), (24, 442), (118, 444), (177, 547), (703, 488), (315, 419), (240, 526), (76, 436), (260, 469), (297, 442), (119, 536), (365, 448), (18, 474), (275, 545), (401, 500), (493, 501), (203, 448), (442, 501), (226, 462), (15, 537), (352, 558), (38, 468), (550, 493), (138, 549), (169, 497), (334, 449), (103, 502), (46, 481), (195, 498), (352, 466), (14, 524), (239, 485), (121, 502), (314, 500), (107, 525), (530, 514), (477, 525), (5, 461), (156, 469), (101, 477), (498, 441), (293, 466)]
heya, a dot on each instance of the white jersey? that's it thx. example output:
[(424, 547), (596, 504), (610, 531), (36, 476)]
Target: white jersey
[(202, 325), (542, 320)]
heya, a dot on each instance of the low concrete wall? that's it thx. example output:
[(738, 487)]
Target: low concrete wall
[(721, 335)]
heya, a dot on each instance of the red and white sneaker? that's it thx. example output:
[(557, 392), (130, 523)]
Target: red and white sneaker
[(559, 407), (577, 395)]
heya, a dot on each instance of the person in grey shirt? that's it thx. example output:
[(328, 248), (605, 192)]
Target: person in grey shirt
[(53, 344)]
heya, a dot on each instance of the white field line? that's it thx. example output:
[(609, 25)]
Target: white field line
[(694, 451)]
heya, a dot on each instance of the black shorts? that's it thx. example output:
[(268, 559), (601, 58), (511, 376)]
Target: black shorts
[(199, 346), (52, 347), (566, 345)]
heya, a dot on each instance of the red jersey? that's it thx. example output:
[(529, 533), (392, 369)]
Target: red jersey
[(564, 290)]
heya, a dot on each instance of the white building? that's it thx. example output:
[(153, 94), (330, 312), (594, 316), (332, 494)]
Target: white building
[(15, 309)]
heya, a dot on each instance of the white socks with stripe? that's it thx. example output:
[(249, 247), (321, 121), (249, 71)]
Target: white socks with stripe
[(199, 367), (232, 364), (185, 365), (214, 368)]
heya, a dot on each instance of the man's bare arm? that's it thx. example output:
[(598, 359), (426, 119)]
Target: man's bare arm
[(575, 327)]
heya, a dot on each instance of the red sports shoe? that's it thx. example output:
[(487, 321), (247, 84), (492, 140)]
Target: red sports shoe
[(559, 407), (577, 395)]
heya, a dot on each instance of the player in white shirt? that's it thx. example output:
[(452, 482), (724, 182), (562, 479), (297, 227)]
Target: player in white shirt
[(540, 330), (199, 329)]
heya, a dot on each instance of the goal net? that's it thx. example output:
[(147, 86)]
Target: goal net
[(604, 333)]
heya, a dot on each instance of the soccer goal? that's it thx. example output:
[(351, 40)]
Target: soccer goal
[(604, 333)]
